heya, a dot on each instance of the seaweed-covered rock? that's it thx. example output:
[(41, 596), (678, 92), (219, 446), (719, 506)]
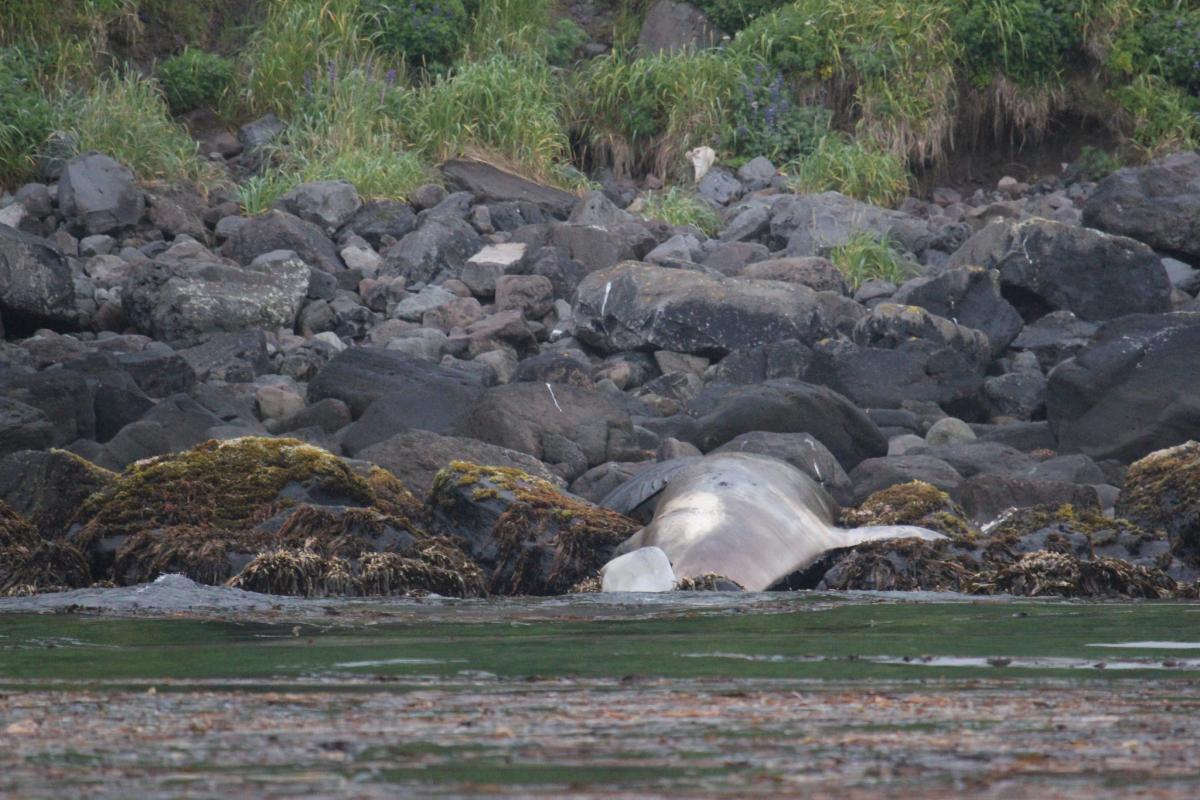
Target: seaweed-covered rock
[(913, 503), (1162, 490), (30, 564), (529, 537), (267, 514), (1044, 573)]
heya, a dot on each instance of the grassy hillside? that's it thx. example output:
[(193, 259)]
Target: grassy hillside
[(848, 94)]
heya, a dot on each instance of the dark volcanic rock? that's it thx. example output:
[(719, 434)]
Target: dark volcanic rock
[(791, 406), (812, 224), (360, 376), (36, 287), (441, 246), (968, 296), (1049, 266), (98, 194), (637, 306), (1134, 390), (1162, 491), (491, 185), (23, 427), (670, 27), (49, 487), (567, 428), (278, 230), (875, 474), (1156, 204), (985, 496), (380, 218)]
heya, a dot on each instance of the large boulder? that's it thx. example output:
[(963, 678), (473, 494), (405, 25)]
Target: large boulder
[(791, 406), (23, 426), (566, 427), (1049, 266), (490, 184), (99, 195), (188, 294), (329, 204), (812, 224), (36, 287), (49, 487), (636, 306), (440, 247), (65, 397), (1158, 204), (670, 27), (1162, 491), (1134, 390), (379, 218), (891, 326), (968, 296), (278, 230), (416, 456), (359, 376), (527, 536)]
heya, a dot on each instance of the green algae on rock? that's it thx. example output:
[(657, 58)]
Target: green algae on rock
[(529, 537), (1162, 490), (272, 515), (913, 503)]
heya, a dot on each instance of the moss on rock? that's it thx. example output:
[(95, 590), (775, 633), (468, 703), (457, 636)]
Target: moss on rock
[(913, 503), (529, 537), (269, 515), (1162, 491)]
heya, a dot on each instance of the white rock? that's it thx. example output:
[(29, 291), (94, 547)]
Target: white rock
[(702, 159), (644, 570)]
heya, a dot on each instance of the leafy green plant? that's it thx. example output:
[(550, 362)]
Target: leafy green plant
[(855, 169), (1094, 163), (195, 79), (732, 16), (427, 34), (768, 122), (26, 117), (561, 41), (1029, 41), (126, 117), (1170, 46), (867, 256), (675, 206), (1161, 118)]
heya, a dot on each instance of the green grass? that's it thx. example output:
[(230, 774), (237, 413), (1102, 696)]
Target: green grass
[(1160, 118), (854, 168), (675, 206), (867, 256), (643, 114), (506, 108), (125, 116)]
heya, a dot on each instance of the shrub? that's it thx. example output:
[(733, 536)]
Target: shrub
[(794, 40), (732, 16), (768, 122), (645, 113), (1161, 117), (195, 79), (1027, 40), (866, 256), (675, 206), (561, 41), (1170, 46), (428, 34), (855, 169), (26, 118), (126, 117)]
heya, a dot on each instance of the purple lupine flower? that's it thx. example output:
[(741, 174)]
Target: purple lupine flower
[(390, 78)]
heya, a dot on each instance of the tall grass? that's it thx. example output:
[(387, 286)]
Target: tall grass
[(675, 206), (645, 113), (867, 256), (1159, 118), (506, 108), (126, 117), (855, 168), (346, 128), (299, 41), (507, 26)]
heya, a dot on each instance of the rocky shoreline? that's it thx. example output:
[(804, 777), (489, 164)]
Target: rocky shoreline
[(342, 397)]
